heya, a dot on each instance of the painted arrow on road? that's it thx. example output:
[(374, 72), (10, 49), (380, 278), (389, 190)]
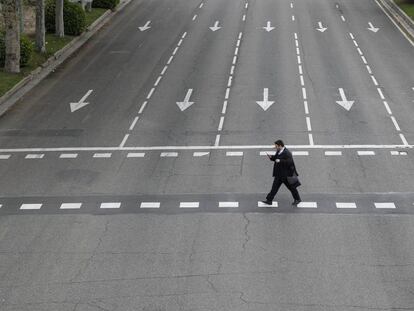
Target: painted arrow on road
[(81, 103), (268, 27), (145, 27), (186, 103), (265, 104), (372, 28), (345, 103), (216, 26), (321, 28)]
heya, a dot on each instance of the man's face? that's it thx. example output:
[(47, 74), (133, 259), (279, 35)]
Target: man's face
[(278, 147)]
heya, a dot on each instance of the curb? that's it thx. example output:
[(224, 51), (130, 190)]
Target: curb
[(12, 96), (398, 16)]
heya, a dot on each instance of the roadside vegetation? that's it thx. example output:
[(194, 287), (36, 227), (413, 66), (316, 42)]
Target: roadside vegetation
[(407, 6), (28, 45)]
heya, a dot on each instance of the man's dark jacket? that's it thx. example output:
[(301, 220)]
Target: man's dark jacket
[(286, 166)]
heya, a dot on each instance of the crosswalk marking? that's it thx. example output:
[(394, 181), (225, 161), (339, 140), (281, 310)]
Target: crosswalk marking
[(68, 156), (111, 205), (261, 204), (384, 205), (102, 155), (70, 205), (228, 204), (31, 206), (150, 205), (307, 205), (345, 205), (5, 156), (136, 155), (168, 154), (35, 156), (189, 204), (368, 152)]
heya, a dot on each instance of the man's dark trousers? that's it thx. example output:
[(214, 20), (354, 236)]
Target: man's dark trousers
[(277, 182)]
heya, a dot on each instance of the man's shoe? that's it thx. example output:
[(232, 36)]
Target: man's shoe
[(296, 202), (267, 202)]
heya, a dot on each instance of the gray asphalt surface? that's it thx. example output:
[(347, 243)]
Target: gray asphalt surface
[(212, 256)]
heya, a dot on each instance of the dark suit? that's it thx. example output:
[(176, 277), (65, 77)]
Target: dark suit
[(281, 170)]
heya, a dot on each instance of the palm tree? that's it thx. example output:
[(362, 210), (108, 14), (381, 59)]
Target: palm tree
[(40, 26), (60, 28), (12, 38)]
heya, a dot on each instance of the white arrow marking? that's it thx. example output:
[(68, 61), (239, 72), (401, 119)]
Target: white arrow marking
[(269, 27), (216, 26), (145, 27), (186, 103), (265, 104), (81, 103), (372, 28), (347, 104), (321, 28)]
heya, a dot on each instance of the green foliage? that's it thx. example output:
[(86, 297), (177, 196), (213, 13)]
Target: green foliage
[(105, 4), (26, 49), (74, 18)]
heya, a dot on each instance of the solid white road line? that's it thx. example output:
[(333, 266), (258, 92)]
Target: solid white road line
[(228, 204), (34, 156), (111, 205), (30, 206), (345, 205), (133, 123), (200, 154), (307, 205), (70, 205), (365, 152), (234, 153), (333, 153), (169, 154), (102, 155), (4, 156), (150, 205), (261, 204), (385, 205), (68, 156), (136, 155), (189, 204)]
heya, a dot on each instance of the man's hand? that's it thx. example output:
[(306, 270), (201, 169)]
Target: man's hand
[(277, 160)]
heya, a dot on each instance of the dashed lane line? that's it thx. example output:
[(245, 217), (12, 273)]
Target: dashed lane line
[(110, 205)]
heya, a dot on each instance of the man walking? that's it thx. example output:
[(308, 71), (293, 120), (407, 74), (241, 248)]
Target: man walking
[(283, 167)]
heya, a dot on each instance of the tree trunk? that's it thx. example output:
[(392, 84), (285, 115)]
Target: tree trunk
[(40, 26), (60, 28), (21, 15), (12, 39)]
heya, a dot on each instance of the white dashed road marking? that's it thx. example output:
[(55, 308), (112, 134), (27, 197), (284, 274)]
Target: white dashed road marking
[(365, 152), (345, 205), (168, 154), (68, 156), (102, 155), (189, 204), (261, 204), (34, 156), (150, 205), (111, 205), (307, 205), (385, 205), (228, 204), (30, 206), (136, 155), (70, 205)]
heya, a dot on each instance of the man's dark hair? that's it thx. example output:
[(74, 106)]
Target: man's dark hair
[(279, 143)]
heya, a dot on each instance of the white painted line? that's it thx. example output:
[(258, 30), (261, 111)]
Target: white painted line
[(31, 206), (184, 34), (403, 152), (150, 93), (150, 205), (296, 35), (70, 205), (364, 153), (227, 93), (201, 5), (238, 43), (302, 82), (300, 70), (308, 124), (380, 93), (234, 60), (1, 205), (352, 36), (180, 42), (133, 123), (111, 205), (142, 107), (175, 51), (369, 69), (297, 43), (236, 51), (234, 153), (403, 139), (356, 44), (307, 205), (397, 127), (333, 153), (170, 60), (345, 205), (5, 156), (244, 17), (291, 5), (102, 155), (220, 127), (394, 152), (232, 69), (385, 205), (304, 93), (387, 107), (228, 204), (293, 17), (240, 35), (305, 104), (246, 6), (374, 80), (229, 82), (297, 51), (136, 155), (164, 70), (299, 61), (364, 60), (343, 18), (300, 153), (265, 153), (189, 204), (158, 81), (200, 154), (194, 17), (359, 51), (223, 111), (217, 142), (311, 139), (124, 140), (169, 154), (68, 156), (34, 156), (261, 204)]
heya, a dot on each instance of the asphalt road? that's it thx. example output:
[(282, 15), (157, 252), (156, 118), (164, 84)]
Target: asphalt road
[(147, 197)]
